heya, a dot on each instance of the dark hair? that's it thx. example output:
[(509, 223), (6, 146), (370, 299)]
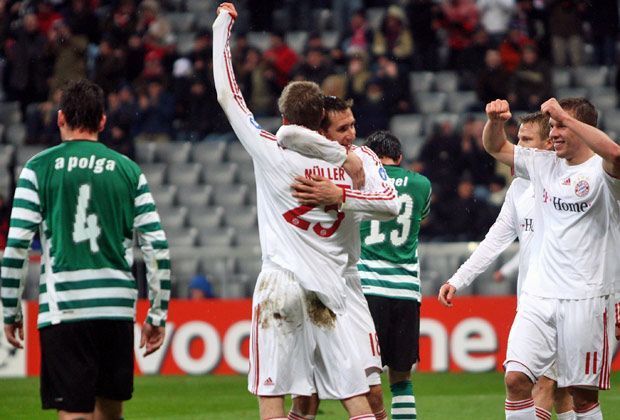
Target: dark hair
[(582, 109), (301, 103), (384, 144), (334, 104), (544, 128), (82, 103)]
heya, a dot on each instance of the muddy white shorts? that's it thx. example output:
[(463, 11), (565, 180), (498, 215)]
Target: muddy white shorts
[(297, 345), (575, 334)]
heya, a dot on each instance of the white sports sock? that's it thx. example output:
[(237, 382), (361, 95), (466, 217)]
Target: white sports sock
[(593, 413), (542, 414), (567, 415), (520, 410)]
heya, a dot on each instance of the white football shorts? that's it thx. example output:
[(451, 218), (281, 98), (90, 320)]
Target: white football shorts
[(576, 334)]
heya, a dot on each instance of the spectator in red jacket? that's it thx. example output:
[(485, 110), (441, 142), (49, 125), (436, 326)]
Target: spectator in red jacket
[(282, 58)]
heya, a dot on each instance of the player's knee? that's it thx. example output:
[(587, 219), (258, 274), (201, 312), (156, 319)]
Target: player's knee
[(583, 399), (304, 405), (518, 385)]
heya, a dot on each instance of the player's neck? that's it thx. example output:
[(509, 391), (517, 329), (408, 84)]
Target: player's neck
[(72, 135), (580, 158)]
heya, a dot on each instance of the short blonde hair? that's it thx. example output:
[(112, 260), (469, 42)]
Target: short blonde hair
[(301, 103)]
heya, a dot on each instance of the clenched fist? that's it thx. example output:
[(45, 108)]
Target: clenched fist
[(498, 110)]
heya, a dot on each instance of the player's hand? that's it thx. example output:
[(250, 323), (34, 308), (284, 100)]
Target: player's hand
[(498, 277), (552, 108), (152, 337), (316, 191), (229, 7), (354, 167), (9, 331), (498, 110), (446, 293)]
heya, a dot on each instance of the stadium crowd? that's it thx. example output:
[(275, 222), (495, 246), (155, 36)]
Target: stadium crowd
[(156, 70)]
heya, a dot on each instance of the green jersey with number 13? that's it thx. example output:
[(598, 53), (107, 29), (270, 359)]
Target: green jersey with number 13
[(389, 264)]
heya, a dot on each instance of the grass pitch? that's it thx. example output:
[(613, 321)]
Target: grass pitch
[(439, 396)]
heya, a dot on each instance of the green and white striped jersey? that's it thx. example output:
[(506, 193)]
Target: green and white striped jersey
[(388, 264), (85, 200)]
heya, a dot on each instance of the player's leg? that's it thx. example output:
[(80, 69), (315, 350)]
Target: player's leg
[(563, 404), (280, 361), (68, 370), (543, 393), (547, 394), (358, 408), (531, 352), (304, 407), (586, 404), (585, 334), (106, 409), (115, 341), (398, 328)]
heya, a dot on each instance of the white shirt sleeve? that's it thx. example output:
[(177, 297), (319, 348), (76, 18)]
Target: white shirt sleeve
[(378, 199), (498, 238), (319, 147), (258, 142)]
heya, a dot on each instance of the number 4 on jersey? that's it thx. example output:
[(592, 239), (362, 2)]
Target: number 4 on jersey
[(85, 227)]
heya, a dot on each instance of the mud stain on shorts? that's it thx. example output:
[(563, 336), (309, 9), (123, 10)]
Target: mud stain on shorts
[(319, 314)]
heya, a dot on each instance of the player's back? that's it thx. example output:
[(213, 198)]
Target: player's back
[(86, 195), (389, 259), (303, 239)]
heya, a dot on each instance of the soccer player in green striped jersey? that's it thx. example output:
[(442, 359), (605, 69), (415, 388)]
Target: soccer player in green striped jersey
[(390, 273), (86, 201)]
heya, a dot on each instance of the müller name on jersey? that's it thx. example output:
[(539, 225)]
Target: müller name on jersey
[(334, 174), (92, 163)]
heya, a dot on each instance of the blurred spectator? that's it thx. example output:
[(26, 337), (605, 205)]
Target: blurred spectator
[(153, 25), (497, 190), (82, 21), (603, 19), (470, 217), (135, 54), (358, 36), (121, 111), (155, 113), (343, 10), (460, 19), (371, 113), (41, 121), (121, 23), (439, 158), (393, 38), (200, 287), (511, 48), (27, 63), (423, 21), (281, 58), (493, 79), (396, 86), (109, 66), (5, 218), (46, 15), (495, 16), (358, 75), (532, 19), (299, 14), (202, 53), (475, 160), (70, 53), (257, 82), (473, 59), (531, 81), (565, 27), (315, 67)]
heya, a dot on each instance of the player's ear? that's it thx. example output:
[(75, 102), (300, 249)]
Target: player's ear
[(60, 119), (285, 121), (102, 122), (400, 159)]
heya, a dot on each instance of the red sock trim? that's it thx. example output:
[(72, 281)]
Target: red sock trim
[(542, 414), (518, 405), (294, 416), (381, 415), (364, 417), (588, 408)]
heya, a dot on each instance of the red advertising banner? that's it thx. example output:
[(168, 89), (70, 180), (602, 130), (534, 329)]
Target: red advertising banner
[(212, 336)]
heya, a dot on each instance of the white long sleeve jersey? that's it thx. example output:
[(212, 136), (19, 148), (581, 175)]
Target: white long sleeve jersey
[(515, 220), (304, 240), (576, 246), (378, 194)]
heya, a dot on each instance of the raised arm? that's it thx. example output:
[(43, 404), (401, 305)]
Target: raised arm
[(595, 139), (498, 238), (154, 246), (25, 220), (251, 135), (494, 136)]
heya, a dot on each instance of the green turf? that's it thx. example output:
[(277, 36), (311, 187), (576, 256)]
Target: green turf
[(439, 396)]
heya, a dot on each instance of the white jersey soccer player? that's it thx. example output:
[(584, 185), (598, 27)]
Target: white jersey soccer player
[(300, 294), (565, 309)]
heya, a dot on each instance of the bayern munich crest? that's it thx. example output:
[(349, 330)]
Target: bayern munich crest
[(582, 188)]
